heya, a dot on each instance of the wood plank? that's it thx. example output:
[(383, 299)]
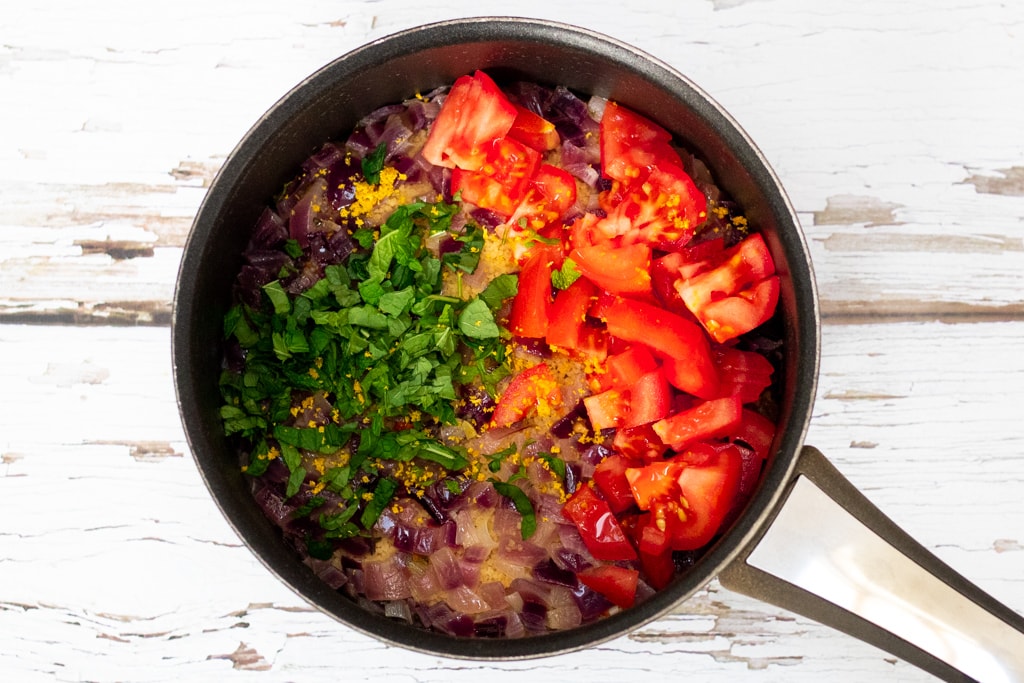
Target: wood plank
[(910, 198)]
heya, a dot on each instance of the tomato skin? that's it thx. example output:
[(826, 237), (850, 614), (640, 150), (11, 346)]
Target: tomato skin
[(639, 443), (732, 316), (745, 374), (475, 113), (625, 368), (607, 410), (552, 192), (530, 314), (650, 399), (533, 130), (618, 584), (735, 295), (598, 526), (502, 181), (610, 479), (632, 144), (523, 394), (710, 491), (669, 334), (654, 482), (569, 313), (620, 270), (706, 420)]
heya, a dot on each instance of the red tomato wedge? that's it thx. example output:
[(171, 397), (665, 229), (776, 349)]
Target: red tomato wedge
[(631, 145), (551, 194), (639, 443), (502, 181), (598, 526), (474, 114), (533, 130), (732, 316), (650, 399), (618, 584), (654, 482), (524, 393), (666, 206), (742, 373), (608, 409), (625, 368), (610, 479), (530, 315), (620, 270), (706, 420), (569, 314), (709, 491), (736, 295), (667, 333)]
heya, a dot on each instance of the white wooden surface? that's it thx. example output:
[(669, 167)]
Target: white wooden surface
[(897, 127)]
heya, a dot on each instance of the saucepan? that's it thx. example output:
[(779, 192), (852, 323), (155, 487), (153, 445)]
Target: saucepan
[(807, 540)]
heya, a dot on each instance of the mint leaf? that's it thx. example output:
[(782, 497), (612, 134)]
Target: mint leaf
[(373, 163), (477, 322)]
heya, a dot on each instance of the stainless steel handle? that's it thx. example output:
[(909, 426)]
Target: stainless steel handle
[(831, 555)]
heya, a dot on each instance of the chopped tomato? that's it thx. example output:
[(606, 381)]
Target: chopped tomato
[(625, 368), (665, 206), (742, 373), (754, 430), (569, 314), (598, 526), (530, 315), (551, 194), (732, 316), (639, 443), (607, 410), (650, 399), (692, 378), (533, 130), (737, 294), (709, 492), (754, 435), (618, 584), (474, 114), (610, 479), (706, 420), (533, 387), (632, 144), (615, 269), (502, 181), (659, 568), (667, 333), (653, 482)]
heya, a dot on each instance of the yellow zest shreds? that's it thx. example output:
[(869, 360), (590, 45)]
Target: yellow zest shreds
[(368, 197), (318, 487)]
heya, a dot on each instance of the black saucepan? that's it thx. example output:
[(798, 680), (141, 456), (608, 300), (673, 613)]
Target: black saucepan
[(807, 540)]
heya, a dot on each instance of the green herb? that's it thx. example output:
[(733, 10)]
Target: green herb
[(499, 289), (382, 495), (374, 341), (496, 459), (556, 464), (320, 550), (477, 321), (522, 504), (373, 163), (566, 275), (467, 258)]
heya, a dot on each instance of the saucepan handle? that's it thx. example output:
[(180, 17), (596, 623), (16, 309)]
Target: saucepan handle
[(832, 556)]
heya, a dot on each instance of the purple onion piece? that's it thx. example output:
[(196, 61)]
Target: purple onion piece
[(548, 572), (562, 428)]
